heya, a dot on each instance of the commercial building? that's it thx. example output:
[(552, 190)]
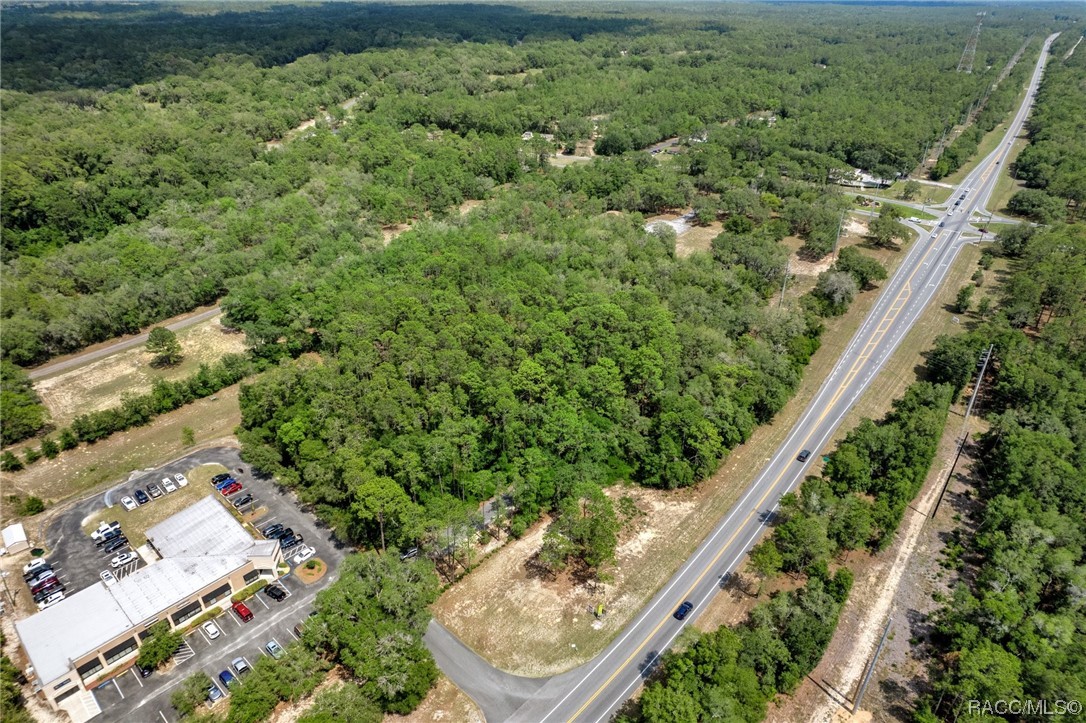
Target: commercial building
[(205, 557)]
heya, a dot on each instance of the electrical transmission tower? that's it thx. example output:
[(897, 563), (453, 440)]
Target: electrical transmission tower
[(970, 52)]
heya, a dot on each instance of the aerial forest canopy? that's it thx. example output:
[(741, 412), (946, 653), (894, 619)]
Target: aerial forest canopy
[(138, 183), (541, 341)]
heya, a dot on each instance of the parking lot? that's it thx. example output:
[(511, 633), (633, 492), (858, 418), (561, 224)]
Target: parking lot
[(79, 564)]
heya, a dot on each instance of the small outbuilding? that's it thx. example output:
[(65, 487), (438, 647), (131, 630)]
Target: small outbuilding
[(15, 538)]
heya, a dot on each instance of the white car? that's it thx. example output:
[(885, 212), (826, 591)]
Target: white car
[(107, 577), (129, 503), (104, 529), (34, 565), (182, 480), (123, 559), (51, 600), (211, 629), (304, 554), (169, 485)]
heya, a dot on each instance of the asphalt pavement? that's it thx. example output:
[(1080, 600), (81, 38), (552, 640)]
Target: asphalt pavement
[(595, 690)]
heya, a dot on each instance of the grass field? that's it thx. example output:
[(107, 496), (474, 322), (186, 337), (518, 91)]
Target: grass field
[(136, 522), (77, 471), (100, 384)]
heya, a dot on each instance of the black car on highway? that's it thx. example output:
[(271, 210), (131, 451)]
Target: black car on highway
[(684, 610)]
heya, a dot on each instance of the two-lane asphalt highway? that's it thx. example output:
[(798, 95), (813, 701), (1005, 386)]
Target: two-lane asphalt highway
[(595, 690)]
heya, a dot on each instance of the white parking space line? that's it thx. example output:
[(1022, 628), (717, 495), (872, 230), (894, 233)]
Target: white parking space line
[(235, 619), (118, 688), (206, 639), (293, 635), (163, 717), (135, 675), (261, 601)]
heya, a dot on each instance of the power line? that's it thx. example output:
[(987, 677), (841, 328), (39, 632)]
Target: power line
[(970, 52)]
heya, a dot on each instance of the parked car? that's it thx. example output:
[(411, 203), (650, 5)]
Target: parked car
[(289, 542), (271, 528), (245, 499), (213, 694), (219, 478), (275, 531), (169, 485), (109, 537), (211, 629), (144, 672), (242, 611), (33, 567), (154, 490), (409, 553), (37, 574), (684, 610), (44, 583), (129, 503), (105, 529), (281, 533), (51, 600), (107, 577), (232, 489), (274, 649), (41, 576), (225, 483), (123, 559), (115, 545), (227, 678), (181, 479), (48, 591), (142, 497), (275, 593), (304, 554), (241, 667)]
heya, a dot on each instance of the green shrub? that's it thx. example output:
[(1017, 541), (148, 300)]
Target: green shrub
[(248, 592)]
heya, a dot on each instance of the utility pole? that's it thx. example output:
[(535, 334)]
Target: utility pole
[(970, 52), (840, 222), (784, 282), (983, 364), (871, 668)]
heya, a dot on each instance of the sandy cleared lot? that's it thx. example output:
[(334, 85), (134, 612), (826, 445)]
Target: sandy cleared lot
[(100, 384)]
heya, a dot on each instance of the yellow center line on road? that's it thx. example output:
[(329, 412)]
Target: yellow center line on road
[(891, 316)]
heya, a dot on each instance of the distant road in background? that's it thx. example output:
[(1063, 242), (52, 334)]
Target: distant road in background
[(113, 347)]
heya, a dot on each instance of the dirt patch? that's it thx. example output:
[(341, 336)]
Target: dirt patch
[(392, 231), (101, 384), (561, 160), (310, 575), (444, 702), (469, 205)]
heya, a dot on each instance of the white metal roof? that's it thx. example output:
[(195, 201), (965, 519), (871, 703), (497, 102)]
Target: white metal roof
[(205, 528), (199, 545), (73, 627), (150, 590), (14, 535)]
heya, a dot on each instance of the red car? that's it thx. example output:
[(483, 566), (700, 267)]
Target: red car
[(242, 612), (43, 584), (232, 488)]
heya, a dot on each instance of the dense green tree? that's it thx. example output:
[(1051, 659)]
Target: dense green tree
[(371, 621), (344, 702), (22, 412), (191, 693), (159, 646), (164, 345), (887, 228), (864, 269)]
